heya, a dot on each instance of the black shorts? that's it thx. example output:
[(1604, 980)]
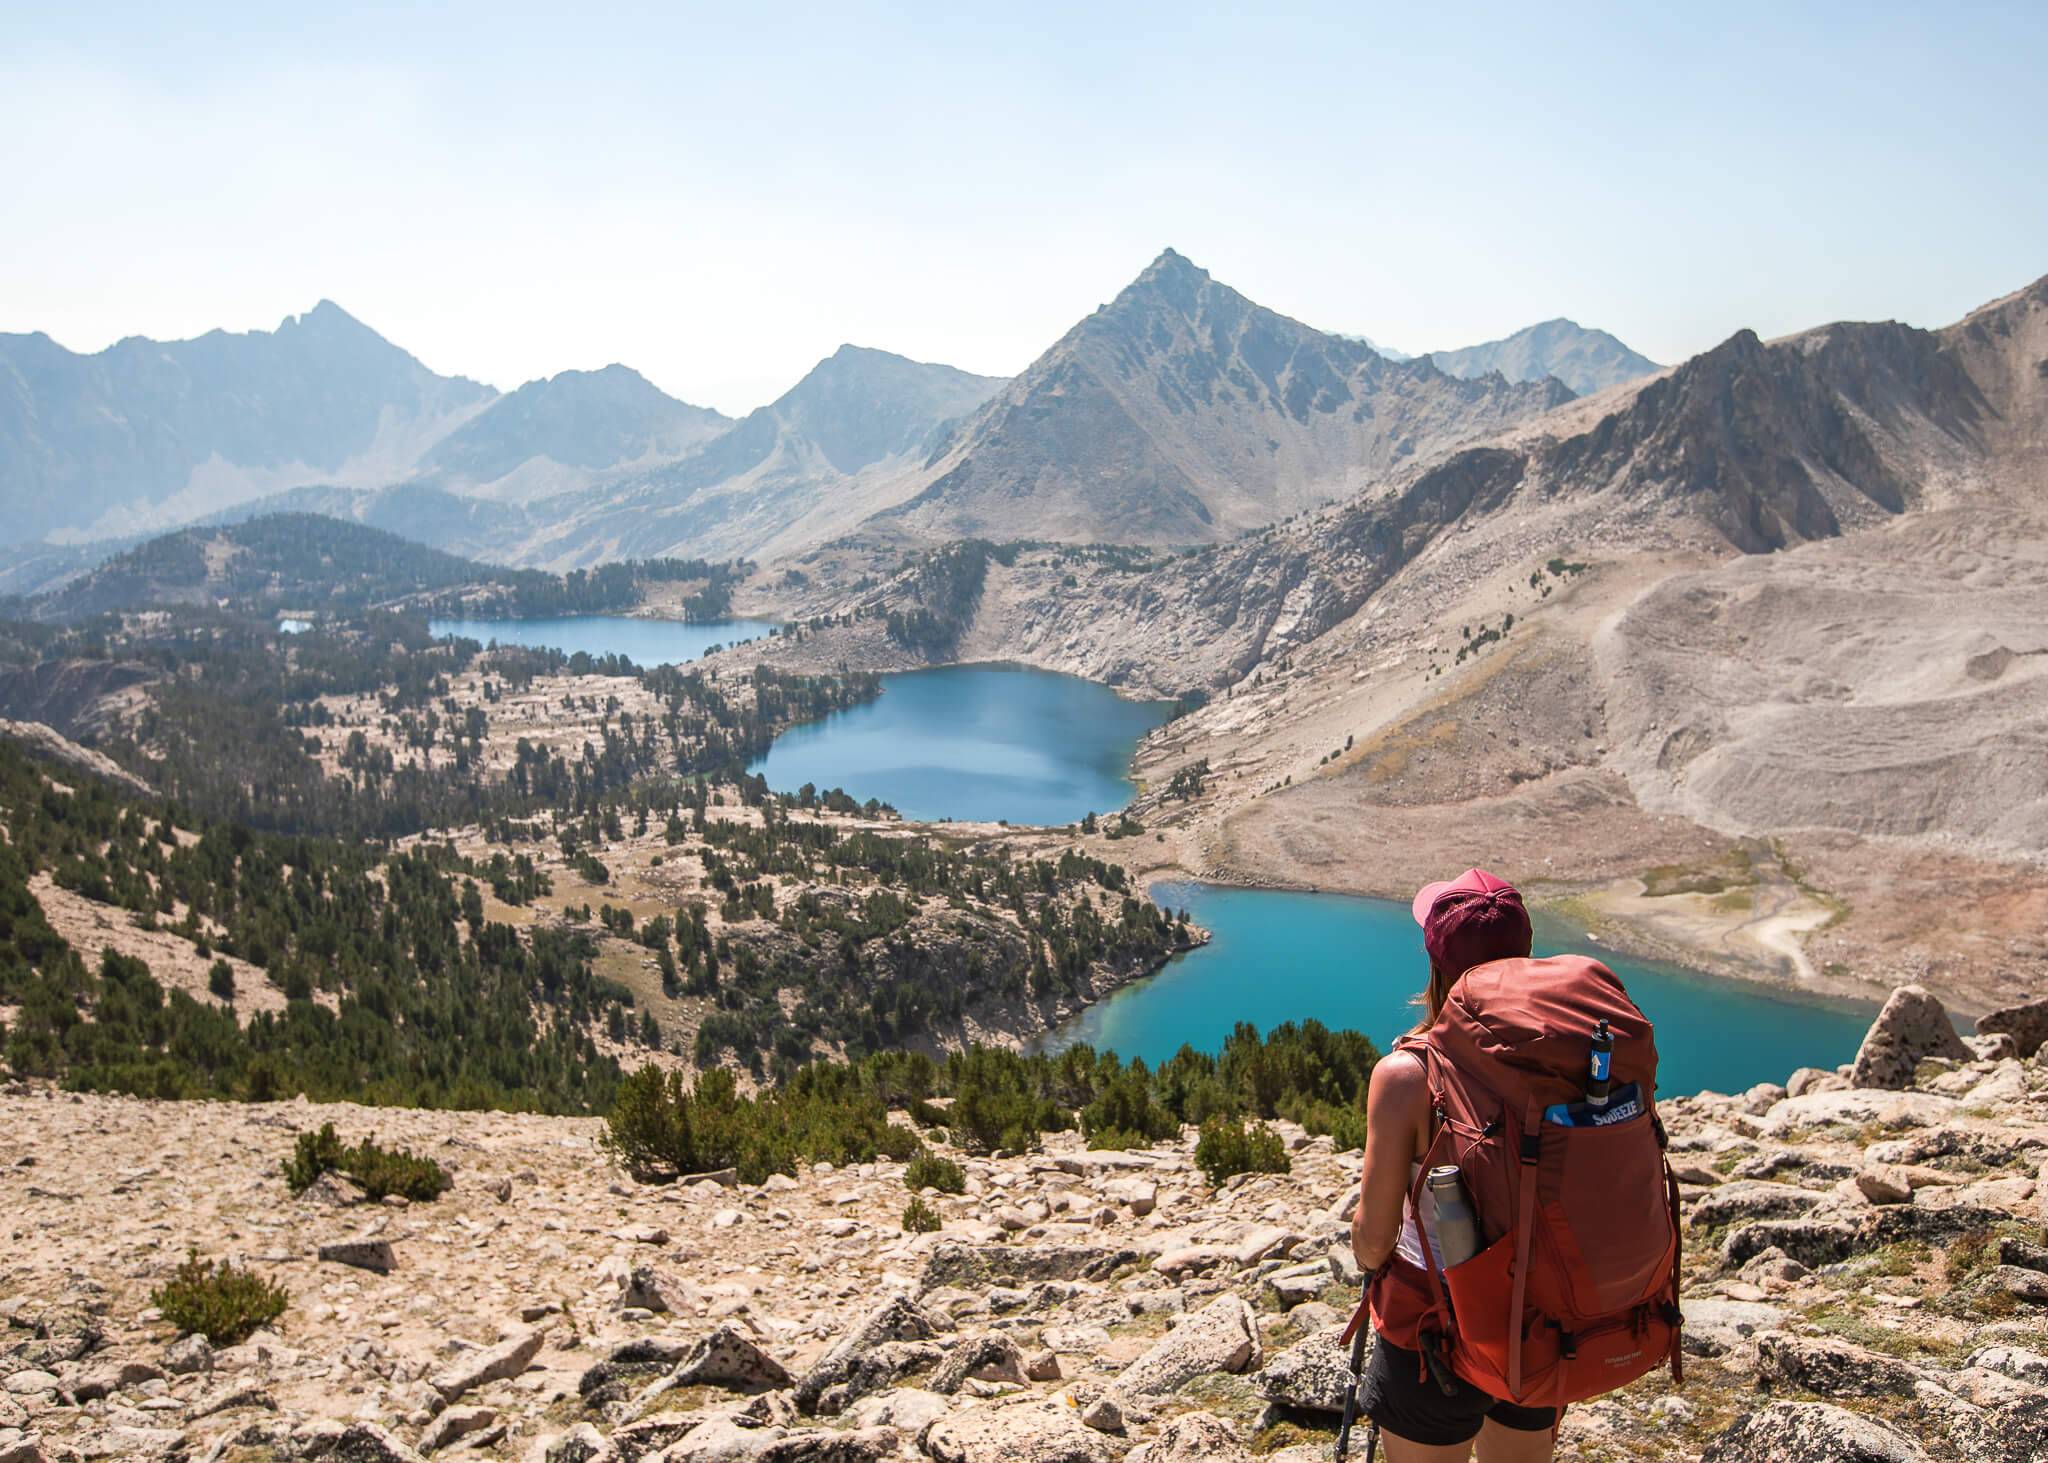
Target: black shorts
[(1404, 1401)]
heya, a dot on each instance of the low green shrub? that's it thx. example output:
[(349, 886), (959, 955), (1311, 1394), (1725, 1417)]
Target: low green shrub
[(662, 1126), (380, 1171), (920, 1218), (1227, 1147), (220, 1302), (929, 1171)]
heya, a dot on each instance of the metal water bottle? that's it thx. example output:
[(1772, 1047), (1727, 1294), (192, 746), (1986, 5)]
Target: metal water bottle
[(1457, 1228), (1600, 1071)]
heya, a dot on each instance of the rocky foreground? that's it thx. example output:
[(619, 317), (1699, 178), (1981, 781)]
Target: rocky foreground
[(1867, 1279)]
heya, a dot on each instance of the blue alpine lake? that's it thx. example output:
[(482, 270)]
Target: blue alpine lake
[(983, 743), (1349, 962), (644, 642), (1007, 743)]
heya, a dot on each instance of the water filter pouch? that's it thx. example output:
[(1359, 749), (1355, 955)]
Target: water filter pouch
[(1625, 1103)]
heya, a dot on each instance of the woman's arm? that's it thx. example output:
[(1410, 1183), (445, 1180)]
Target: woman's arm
[(1396, 1109)]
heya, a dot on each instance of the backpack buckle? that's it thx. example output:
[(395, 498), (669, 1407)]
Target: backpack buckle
[(1532, 1147)]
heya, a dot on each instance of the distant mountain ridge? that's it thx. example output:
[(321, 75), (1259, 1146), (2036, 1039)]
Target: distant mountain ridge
[(1181, 412), (1585, 360), (578, 419), (150, 431)]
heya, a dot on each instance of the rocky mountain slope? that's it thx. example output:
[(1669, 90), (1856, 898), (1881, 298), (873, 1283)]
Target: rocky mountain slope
[(148, 433), (807, 466), (551, 435), (1183, 413), (1588, 361), (1864, 1279)]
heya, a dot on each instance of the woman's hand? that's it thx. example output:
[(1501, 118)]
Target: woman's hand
[(1396, 1133)]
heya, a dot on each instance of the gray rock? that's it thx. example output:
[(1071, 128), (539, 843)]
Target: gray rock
[(1912, 1025), (246, 1393), (2026, 1024), (910, 1410), (359, 1442), (334, 1191), (1194, 1437), (1812, 1242), (508, 1358), (580, 1444), (2016, 1362), (1312, 1375), (723, 1438), (1828, 1367), (1749, 1199), (1715, 1326), (1025, 1432), (645, 1436), (1104, 1414), (896, 1319), (189, 1354), (1223, 1336), (31, 1381), (454, 1423), (956, 1262), (821, 1445), (656, 1290), (2030, 1286), (364, 1254), (728, 1358), (1811, 1432), (991, 1358)]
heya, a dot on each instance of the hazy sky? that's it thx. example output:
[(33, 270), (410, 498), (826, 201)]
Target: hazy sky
[(720, 196)]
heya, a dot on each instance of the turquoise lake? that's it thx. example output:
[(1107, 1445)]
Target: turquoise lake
[(644, 642), (992, 743), (1351, 962), (979, 743)]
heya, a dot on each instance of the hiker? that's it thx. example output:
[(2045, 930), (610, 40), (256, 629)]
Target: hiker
[(1568, 1282)]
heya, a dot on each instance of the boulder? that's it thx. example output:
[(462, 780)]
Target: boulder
[(1747, 1199), (364, 1254), (2026, 1024), (1263, 1243), (2016, 1362), (1885, 1183), (1912, 1025), (1812, 1242), (1828, 1367), (897, 1319), (454, 1423), (1312, 1375), (1140, 1196), (2030, 1286), (955, 1262), (508, 1358), (650, 1289), (876, 1368), (1194, 1437), (359, 1442), (910, 1410), (1811, 1432), (1104, 1414), (1223, 1336), (334, 1190), (990, 1358), (1025, 1432), (1857, 1107), (728, 1358), (1190, 1260), (823, 1445), (723, 1438), (189, 1354), (1715, 1326), (580, 1444)]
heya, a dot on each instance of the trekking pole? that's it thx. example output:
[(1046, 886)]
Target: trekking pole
[(1358, 1339)]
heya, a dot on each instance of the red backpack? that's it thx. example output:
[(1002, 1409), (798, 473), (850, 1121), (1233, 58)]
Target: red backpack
[(1574, 1290)]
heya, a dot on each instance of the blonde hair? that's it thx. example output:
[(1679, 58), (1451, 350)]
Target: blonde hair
[(1431, 998)]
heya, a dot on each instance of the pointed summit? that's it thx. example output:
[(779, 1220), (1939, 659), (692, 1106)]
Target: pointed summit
[(1182, 412)]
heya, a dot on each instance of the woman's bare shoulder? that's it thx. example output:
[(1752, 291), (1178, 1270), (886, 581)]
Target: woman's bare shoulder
[(1399, 1085)]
